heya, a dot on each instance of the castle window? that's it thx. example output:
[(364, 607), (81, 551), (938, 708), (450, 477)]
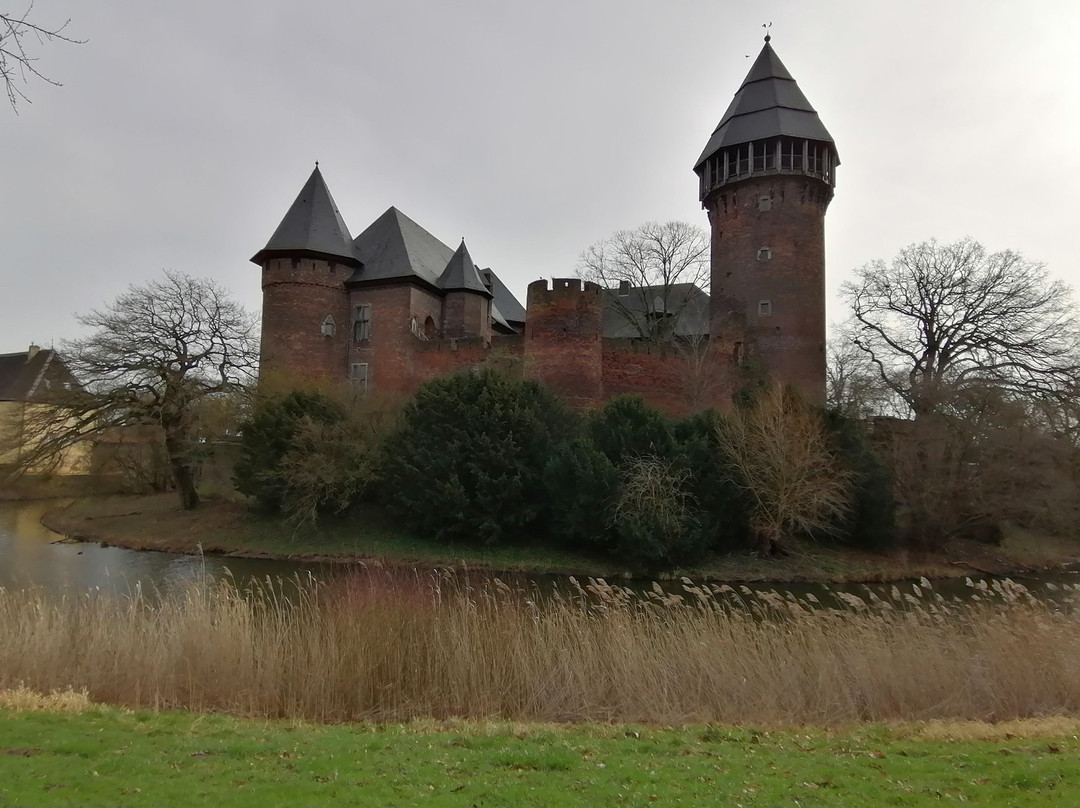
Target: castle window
[(362, 322), (358, 376), (764, 203), (764, 308), (430, 330), (764, 254), (329, 327)]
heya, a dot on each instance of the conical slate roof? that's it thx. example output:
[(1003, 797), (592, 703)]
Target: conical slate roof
[(313, 225), (768, 104), (461, 275)]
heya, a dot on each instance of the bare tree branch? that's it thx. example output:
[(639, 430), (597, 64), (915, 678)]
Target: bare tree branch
[(17, 63)]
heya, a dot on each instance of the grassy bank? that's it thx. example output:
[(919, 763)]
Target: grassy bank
[(230, 528), (105, 756), (390, 647)]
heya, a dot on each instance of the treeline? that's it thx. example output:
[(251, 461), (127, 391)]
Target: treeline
[(481, 458)]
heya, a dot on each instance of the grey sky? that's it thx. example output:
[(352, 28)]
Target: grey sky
[(183, 131)]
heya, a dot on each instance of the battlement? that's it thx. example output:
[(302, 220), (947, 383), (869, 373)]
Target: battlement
[(561, 289)]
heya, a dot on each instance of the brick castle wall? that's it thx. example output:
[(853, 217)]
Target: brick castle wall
[(563, 330)]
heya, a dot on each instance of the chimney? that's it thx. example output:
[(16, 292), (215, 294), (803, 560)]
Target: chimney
[(30, 354)]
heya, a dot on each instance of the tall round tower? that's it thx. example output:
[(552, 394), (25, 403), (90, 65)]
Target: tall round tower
[(305, 313), (766, 178)]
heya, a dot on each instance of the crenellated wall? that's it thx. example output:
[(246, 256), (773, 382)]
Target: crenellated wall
[(563, 349)]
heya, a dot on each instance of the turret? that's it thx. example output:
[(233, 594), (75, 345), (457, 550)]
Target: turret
[(467, 305), (766, 178), (305, 316)]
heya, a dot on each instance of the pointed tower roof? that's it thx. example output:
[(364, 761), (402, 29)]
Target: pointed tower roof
[(394, 246), (313, 226), (768, 104), (461, 274)]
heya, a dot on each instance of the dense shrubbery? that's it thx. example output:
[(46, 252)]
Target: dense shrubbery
[(468, 462), (480, 458)]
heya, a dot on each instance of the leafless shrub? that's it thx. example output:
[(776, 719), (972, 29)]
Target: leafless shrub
[(795, 482)]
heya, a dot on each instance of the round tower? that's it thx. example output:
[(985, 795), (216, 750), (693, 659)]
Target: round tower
[(305, 312), (766, 178)]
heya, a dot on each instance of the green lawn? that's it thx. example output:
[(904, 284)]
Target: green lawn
[(110, 757)]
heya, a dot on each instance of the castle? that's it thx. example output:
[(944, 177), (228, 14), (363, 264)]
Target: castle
[(395, 306)]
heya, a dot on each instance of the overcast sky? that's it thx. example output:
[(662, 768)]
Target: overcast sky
[(183, 131)]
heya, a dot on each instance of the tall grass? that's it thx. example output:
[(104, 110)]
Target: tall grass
[(385, 646)]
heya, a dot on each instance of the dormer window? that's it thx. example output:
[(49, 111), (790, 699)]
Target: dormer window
[(329, 327)]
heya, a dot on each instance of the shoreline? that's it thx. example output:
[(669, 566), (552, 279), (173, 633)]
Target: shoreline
[(231, 530)]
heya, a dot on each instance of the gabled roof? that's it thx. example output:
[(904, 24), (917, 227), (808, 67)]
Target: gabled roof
[(460, 274), (312, 226), (768, 104), (28, 375), (394, 246)]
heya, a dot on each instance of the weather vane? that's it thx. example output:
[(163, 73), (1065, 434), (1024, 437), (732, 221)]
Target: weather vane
[(768, 36)]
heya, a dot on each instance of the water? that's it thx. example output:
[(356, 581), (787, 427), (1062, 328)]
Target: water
[(33, 555)]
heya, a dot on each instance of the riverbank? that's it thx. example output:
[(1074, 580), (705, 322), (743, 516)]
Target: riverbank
[(231, 529), (108, 756)]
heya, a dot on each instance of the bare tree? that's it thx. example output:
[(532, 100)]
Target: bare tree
[(794, 480), (649, 273), (17, 64), (953, 314), (853, 385), (156, 356)]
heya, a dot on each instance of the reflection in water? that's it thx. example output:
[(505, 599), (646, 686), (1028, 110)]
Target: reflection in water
[(31, 556)]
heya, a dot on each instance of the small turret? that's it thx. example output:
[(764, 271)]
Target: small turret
[(467, 305)]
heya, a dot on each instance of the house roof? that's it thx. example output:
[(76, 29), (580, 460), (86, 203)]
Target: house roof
[(685, 301), (313, 225), (25, 375), (460, 274), (394, 246), (768, 104)]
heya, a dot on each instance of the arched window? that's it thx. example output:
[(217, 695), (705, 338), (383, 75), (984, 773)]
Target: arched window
[(431, 331), (329, 327)]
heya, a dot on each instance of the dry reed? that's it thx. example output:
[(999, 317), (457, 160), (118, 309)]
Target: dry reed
[(382, 646)]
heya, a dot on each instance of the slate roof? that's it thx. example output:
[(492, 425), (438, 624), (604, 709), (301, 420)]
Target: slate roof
[(688, 302), (503, 300), (461, 274), (312, 226), (768, 104), (23, 378), (394, 246)]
